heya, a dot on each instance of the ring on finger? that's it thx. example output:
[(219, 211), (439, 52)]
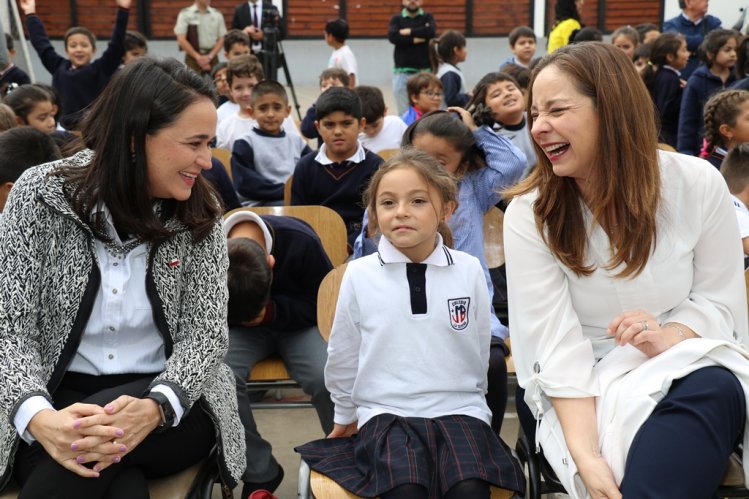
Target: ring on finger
[(644, 325)]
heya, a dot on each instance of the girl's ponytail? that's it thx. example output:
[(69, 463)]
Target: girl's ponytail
[(434, 57)]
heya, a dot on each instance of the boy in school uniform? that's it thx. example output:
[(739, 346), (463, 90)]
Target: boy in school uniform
[(11, 73), (263, 159), (380, 131), (336, 33), (234, 120), (236, 43), (735, 169), (337, 174), (331, 77), (523, 45)]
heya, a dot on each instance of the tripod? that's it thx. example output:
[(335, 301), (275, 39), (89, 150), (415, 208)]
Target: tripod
[(273, 54)]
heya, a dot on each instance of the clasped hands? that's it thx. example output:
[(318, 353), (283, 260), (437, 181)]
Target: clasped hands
[(81, 434), (642, 330)]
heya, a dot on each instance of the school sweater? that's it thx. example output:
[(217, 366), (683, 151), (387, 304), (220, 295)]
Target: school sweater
[(261, 163), (13, 74), (666, 92), (410, 339), (701, 85), (520, 137), (78, 87), (339, 186), (453, 85)]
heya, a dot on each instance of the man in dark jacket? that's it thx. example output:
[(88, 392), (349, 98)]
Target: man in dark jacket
[(694, 23), (262, 22)]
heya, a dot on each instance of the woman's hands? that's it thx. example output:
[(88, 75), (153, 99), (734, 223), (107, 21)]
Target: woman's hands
[(598, 478), (642, 331), (27, 6), (341, 430)]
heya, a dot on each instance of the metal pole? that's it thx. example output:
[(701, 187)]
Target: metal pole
[(22, 42)]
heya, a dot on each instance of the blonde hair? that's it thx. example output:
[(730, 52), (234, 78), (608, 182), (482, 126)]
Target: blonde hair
[(427, 168)]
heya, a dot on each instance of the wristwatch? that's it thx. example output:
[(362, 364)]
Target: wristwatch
[(165, 409)]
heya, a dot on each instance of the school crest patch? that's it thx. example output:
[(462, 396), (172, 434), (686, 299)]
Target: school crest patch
[(458, 308)]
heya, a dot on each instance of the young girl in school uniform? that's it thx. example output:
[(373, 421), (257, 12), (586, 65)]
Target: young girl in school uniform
[(726, 123), (408, 353), (445, 53)]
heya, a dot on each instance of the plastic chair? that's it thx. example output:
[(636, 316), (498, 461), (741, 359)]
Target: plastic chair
[(223, 155)]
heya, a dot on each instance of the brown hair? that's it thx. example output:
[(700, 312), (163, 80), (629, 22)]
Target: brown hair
[(735, 168), (419, 82), (335, 74), (244, 66), (427, 168), (625, 186), (722, 109)]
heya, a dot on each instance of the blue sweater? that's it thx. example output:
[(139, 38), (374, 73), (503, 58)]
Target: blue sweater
[(78, 87), (701, 85), (666, 92), (694, 33)]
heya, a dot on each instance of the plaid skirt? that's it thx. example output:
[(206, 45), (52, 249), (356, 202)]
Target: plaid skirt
[(436, 453)]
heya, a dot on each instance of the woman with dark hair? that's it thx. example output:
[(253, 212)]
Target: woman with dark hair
[(113, 299), (625, 289), (566, 23)]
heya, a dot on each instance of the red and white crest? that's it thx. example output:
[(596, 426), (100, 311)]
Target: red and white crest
[(458, 308)]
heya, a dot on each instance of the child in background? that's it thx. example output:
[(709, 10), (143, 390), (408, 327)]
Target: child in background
[(521, 75), (33, 107), (406, 373), (331, 77), (587, 34), (523, 46), (236, 43), (668, 56), (263, 159), (726, 123), (218, 74), (7, 118), (735, 170), (78, 80), (336, 175), (498, 103), (627, 39), (425, 93), (647, 32), (12, 73), (136, 46), (445, 53), (336, 33), (380, 131), (742, 65), (641, 59), (718, 52), (248, 65)]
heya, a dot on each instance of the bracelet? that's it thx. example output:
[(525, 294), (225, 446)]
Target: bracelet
[(682, 334)]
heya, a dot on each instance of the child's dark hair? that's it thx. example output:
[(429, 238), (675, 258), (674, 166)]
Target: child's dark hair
[(587, 34), (565, 9), (628, 32), (645, 28), (23, 99), (442, 48), (249, 279), (9, 41), (419, 82), (642, 51), (521, 75), (430, 170), (521, 31), (449, 127), (24, 147), (722, 109), (269, 87), (135, 40), (735, 168), (338, 99), (338, 29), (244, 66), (80, 30), (666, 44), (7, 118), (713, 42), (335, 74), (234, 36), (218, 67), (54, 96), (372, 103), (742, 59), (481, 113)]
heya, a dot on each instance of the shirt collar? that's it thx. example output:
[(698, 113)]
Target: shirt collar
[(689, 19), (666, 66), (405, 12), (388, 253), (357, 157)]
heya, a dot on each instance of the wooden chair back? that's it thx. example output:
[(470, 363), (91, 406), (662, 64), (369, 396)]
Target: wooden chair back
[(224, 156), (327, 299), (386, 154), (326, 223), (287, 191), (494, 249)]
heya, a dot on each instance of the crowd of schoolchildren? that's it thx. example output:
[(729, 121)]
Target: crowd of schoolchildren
[(414, 225)]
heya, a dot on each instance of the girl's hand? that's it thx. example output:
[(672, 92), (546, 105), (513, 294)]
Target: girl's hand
[(27, 6), (598, 478), (642, 331), (465, 116), (340, 430), (124, 4)]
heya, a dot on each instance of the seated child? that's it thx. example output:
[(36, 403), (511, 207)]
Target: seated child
[(337, 174), (425, 93), (381, 131), (523, 45), (249, 73), (726, 123), (78, 80), (218, 74), (521, 75), (336, 33), (331, 77), (136, 46), (22, 147), (33, 107), (648, 32), (12, 73), (7, 118), (735, 170), (408, 354), (236, 43), (263, 159), (498, 103)]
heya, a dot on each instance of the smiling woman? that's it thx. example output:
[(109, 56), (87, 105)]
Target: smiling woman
[(111, 353)]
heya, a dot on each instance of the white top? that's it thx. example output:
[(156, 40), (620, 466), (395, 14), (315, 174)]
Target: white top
[(559, 341), (382, 358), (225, 110), (389, 137), (742, 215), (235, 127), (344, 58)]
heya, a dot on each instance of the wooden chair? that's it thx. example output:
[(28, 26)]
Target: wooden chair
[(494, 249), (224, 156), (386, 154), (271, 373), (287, 191)]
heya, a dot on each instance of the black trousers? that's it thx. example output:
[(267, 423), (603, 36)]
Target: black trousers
[(159, 455)]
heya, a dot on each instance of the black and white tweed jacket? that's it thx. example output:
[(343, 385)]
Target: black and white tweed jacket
[(48, 282)]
